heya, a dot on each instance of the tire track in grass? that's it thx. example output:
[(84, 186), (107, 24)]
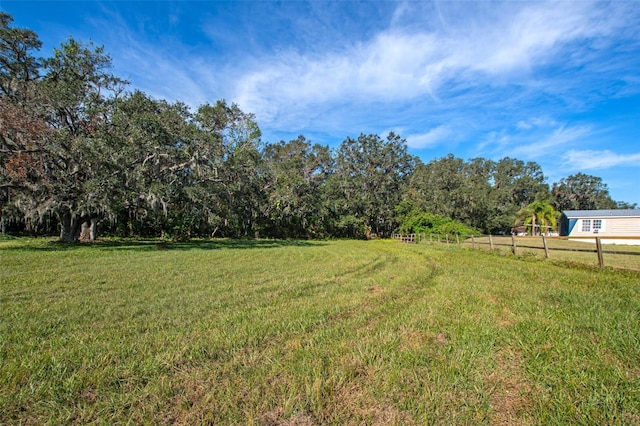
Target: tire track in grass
[(380, 287)]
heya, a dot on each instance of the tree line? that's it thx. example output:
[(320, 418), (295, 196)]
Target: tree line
[(81, 153)]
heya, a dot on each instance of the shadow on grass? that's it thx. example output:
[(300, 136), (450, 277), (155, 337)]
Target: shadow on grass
[(32, 244)]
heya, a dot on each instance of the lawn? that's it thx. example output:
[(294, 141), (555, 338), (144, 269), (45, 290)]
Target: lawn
[(304, 333)]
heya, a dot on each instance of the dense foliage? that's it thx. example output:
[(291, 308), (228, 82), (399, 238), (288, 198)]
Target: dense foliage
[(540, 217), (78, 151), (431, 223)]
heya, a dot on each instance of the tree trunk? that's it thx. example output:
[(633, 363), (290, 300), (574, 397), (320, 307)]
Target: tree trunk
[(88, 230), (533, 225), (84, 231), (69, 227), (93, 229)]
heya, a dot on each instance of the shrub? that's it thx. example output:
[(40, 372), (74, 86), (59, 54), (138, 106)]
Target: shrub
[(431, 223)]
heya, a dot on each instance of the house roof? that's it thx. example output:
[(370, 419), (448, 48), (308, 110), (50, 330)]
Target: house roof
[(575, 214)]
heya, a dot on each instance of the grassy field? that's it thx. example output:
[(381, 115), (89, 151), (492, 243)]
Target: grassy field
[(305, 333)]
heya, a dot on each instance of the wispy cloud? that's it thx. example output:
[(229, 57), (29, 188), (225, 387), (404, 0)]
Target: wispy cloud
[(391, 67), (523, 125), (533, 139), (426, 54), (403, 66), (545, 145), (429, 139), (596, 160)]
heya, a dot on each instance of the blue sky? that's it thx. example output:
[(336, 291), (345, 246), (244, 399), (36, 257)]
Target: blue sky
[(553, 82)]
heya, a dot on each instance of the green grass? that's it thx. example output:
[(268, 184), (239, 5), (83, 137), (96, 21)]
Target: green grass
[(287, 332)]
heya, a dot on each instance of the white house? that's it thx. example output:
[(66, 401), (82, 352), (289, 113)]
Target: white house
[(607, 224)]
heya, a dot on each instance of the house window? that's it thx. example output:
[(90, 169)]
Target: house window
[(586, 225), (597, 225)]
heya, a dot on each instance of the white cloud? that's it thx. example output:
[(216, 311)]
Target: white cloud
[(594, 160), (174, 75), (429, 139), (400, 66), (531, 35), (534, 139), (547, 145), (524, 125), (391, 67)]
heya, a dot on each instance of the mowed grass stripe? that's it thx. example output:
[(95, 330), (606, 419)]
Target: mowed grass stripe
[(339, 332)]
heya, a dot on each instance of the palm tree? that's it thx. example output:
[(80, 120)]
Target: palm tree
[(538, 214)]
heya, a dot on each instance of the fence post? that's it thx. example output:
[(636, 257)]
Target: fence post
[(447, 235), (546, 247), (457, 239), (599, 249), (473, 242), (491, 242), (513, 240)]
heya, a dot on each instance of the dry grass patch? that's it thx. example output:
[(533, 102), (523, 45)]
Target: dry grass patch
[(412, 339), (358, 406), (510, 391), (276, 418)]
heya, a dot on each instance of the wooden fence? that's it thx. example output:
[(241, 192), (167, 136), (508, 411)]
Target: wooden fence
[(518, 244)]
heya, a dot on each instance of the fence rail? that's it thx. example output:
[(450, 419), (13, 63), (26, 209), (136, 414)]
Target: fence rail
[(547, 244)]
